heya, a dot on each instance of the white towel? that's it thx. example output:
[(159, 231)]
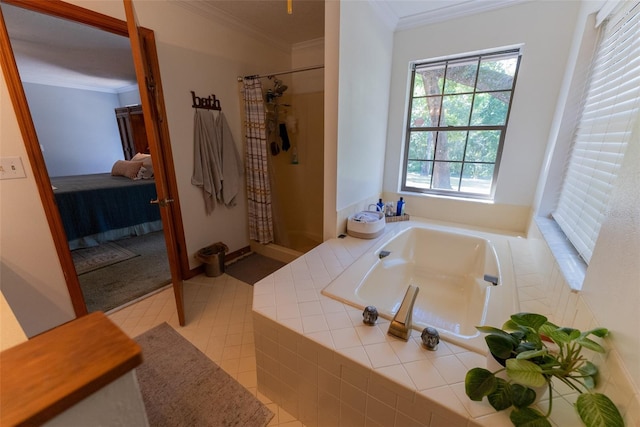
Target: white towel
[(231, 163), (366, 217), (217, 167), (207, 172)]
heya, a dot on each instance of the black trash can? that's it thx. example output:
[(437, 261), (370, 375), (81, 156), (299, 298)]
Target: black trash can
[(213, 258)]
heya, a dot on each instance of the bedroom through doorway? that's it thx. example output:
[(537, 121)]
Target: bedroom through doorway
[(74, 91), (116, 274)]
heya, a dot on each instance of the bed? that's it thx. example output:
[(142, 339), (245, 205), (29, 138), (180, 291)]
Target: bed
[(101, 207)]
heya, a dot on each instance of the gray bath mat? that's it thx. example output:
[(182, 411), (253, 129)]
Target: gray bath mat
[(253, 268), (183, 387)]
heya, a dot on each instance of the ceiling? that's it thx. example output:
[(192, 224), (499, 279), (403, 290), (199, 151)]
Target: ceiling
[(55, 51), (58, 52)]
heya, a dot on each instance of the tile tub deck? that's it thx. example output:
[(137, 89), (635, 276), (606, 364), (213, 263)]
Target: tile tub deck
[(316, 358)]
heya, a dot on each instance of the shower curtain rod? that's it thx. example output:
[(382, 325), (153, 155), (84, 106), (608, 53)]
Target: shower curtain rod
[(297, 70)]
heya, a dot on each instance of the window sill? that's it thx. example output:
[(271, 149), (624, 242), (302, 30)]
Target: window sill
[(572, 267), (461, 198)]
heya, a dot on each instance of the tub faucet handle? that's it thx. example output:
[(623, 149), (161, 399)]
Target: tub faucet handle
[(430, 338), (370, 315)]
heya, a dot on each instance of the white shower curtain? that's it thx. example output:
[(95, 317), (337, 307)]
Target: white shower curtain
[(258, 187)]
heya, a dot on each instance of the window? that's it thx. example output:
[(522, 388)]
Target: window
[(458, 114), (610, 109)]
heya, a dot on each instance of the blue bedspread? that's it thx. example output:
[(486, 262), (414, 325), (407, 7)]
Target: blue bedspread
[(93, 204)]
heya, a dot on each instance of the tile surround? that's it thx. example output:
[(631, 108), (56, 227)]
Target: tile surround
[(337, 371), (325, 378)]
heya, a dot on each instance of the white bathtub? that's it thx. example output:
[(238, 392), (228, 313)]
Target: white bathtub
[(449, 266)]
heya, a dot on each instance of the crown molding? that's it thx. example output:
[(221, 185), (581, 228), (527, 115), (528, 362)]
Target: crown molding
[(224, 18), (453, 11), (460, 10)]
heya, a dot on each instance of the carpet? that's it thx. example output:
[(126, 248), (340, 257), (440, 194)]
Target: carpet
[(253, 268), (93, 258), (118, 284), (182, 387)]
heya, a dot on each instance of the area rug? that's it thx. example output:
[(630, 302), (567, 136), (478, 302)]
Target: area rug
[(118, 284), (253, 268), (182, 387), (93, 258)]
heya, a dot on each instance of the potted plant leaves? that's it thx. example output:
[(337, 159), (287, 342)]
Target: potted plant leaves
[(533, 352)]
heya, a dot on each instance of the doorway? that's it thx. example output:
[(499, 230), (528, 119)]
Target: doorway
[(165, 169)]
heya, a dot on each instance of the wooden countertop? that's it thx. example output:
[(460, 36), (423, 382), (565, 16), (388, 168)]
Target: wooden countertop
[(53, 371)]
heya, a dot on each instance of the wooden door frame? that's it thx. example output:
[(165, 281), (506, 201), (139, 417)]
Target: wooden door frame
[(60, 9)]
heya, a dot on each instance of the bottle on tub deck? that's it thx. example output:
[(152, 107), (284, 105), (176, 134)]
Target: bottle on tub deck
[(380, 206), (400, 207)]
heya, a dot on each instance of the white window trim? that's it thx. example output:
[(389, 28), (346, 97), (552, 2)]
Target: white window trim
[(456, 195)]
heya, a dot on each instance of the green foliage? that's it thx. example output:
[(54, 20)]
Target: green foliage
[(596, 409), (501, 397), (522, 396), (528, 417), (479, 383), (533, 352), (473, 93)]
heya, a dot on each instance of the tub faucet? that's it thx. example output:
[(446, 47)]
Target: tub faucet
[(401, 324)]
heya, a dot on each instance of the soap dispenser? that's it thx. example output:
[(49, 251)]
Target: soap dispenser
[(380, 206), (400, 207)]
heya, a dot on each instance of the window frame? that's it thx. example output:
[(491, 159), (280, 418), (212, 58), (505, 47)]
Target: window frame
[(409, 129)]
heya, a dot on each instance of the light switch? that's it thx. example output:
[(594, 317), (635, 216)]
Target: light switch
[(11, 168)]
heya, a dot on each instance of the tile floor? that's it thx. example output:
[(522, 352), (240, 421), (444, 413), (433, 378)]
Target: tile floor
[(218, 321)]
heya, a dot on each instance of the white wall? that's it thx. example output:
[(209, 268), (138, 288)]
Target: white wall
[(77, 129), (129, 97), (30, 273), (365, 71), (545, 29), (194, 55), (612, 284)]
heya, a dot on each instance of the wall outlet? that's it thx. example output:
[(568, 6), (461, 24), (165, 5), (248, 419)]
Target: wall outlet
[(11, 168)]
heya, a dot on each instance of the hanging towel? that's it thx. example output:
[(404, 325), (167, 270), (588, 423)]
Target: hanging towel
[(217, 166), (285, 137), (207, 160), (231, 163)]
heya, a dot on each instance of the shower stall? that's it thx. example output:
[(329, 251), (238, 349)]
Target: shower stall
[(294, 121)]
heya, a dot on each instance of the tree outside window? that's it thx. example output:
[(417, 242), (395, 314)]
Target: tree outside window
[(458, 116)]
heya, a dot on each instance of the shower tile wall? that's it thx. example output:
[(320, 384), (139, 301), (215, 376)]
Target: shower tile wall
[(316, 360), (300, 186)]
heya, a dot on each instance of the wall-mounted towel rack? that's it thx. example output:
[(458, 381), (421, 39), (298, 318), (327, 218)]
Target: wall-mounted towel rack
[(207, 103)]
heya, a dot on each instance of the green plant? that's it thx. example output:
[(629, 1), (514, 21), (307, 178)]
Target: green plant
[(533, 351)]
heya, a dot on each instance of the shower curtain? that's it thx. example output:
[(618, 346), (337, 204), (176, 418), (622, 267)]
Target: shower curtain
[(258, 187)]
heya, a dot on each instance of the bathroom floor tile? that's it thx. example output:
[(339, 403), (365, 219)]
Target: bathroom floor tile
[(219, 322)]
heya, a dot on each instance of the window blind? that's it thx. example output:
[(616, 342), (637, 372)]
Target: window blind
[(610, 109)]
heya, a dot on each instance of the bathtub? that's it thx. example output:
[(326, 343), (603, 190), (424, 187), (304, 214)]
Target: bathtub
[(465, 279)]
